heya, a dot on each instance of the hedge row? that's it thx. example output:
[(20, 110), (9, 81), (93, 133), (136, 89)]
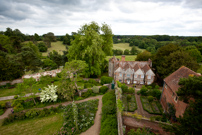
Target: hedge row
[(32, 113), (109, 119)]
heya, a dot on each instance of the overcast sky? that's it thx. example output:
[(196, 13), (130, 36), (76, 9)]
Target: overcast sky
[(125, 17)]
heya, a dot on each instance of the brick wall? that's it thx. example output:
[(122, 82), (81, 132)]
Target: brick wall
[(168, 96)]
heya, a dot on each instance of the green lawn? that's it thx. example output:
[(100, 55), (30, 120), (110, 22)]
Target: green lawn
[(124, 46), (127, 57), (57, 46), (7, 92), (39, 126)]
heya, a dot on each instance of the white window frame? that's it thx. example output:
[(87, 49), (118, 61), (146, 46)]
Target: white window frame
[(135, 82), (142, 76), (149, 77), (148, 83)]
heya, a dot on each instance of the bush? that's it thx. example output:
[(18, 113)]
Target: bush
[(95, 89), (87, 94), (103, 89), (16, 97), (32, 113), (88, 85), (131, 90), (138, 92), (129, 97), (150, 98), (1, 111), (124, 88), (92, 81), (106, 80), (119, 84), (143, 91)]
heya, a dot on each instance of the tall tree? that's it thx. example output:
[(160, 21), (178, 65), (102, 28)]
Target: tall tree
[(144, 56), (190, 91), (89, 46), (134, 50), (48, 38)]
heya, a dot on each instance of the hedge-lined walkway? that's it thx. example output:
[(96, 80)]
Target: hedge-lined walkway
[(140, 109)]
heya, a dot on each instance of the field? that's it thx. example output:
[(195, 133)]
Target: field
[(124, 46), (39, 126), (57, 46), (127, 57)]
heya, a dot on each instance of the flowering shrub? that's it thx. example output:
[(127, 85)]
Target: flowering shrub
[(49, 94)]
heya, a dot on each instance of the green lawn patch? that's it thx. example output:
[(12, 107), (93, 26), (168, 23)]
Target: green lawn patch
[(57, 46), (39, 126), (127, 57), (153, 107), (124, 46)]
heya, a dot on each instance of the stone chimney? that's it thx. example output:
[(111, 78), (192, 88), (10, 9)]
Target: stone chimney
[(123, 58)]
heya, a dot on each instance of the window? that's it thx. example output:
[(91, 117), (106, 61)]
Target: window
[(135, 82), (135, 76), (148, 83), (148, 77), (120, 74), (128, 75), (141, 82), (176, 99), (120, 80), (142, 76)]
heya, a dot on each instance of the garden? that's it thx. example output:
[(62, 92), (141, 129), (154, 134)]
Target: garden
[(150, 99), (128, 98)]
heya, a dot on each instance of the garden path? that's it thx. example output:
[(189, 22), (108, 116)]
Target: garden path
[(140, 109)]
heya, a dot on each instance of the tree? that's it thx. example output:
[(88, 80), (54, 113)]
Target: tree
[(134, 50), (194, 52), (49, 94), (69, 76), (90, 46), (171, 57), (48, 38), (67, 39), (126, 52), (49, 64), (56, 57), (5, 44), (190, 92), (144, 56), (42, 47), (36, 37)]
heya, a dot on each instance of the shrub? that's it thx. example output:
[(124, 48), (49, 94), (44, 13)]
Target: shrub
[(129, 97), (138, 92), (103, 89), (106, 80), (119, 84), (18, 107), (88, 85), (150, 98), (131, 90), (124, 88), (87, 94), (156, 87), (92, 81), (143, 91), (31, 113), (95, 89), (16, 97), (1, 111)]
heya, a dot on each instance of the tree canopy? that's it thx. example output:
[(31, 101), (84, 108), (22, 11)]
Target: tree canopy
[(91, 46)]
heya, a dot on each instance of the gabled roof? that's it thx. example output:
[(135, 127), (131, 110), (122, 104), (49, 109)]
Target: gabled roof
[(145, 68), (136, 67), (173, 79)]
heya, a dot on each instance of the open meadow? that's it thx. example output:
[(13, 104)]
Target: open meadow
[(57, 46), (124, 46), (127, 57)]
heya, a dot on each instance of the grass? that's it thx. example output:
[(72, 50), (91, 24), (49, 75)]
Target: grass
[(39, 126), (57, 46), (127, 57), (7, 92), (124, 46)]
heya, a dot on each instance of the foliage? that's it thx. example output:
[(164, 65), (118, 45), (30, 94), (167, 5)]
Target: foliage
[(119, 105), (103, 89), (16, 97), (92, 47), (56, 58), (143, 91), (139, 131), (49, 94), (150, 98), (126, 52), (95, 89), (124, 88), (48, 38), (144, 56), (190, 92), (194, 52), (75, 114), (134, 50), (86, 115), (49, 64), (109, 120), (106, 80), (88, 93), (131, 90)]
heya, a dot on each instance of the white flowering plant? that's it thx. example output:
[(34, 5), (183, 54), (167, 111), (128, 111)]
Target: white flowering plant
[(49, 94)]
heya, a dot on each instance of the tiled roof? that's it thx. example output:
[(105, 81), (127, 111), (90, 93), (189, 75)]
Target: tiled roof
[(173, 79), (145, 68), (136, 67)]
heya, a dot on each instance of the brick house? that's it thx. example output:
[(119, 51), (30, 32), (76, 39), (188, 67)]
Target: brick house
[(171, 86), (131, 72)]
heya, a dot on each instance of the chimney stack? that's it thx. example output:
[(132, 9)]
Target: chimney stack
[(123, 58)]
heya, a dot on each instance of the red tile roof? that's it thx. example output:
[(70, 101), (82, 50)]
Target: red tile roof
[(173, 79)]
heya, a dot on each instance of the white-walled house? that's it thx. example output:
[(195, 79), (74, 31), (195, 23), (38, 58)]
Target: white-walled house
[(131, 72)]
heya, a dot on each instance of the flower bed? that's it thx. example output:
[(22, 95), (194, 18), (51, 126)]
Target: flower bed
[(86, 115), (153, 107), (129, 102)]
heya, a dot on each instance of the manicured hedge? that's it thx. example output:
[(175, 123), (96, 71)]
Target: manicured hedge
[(109, 119), (106, 80), (103, 89)]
